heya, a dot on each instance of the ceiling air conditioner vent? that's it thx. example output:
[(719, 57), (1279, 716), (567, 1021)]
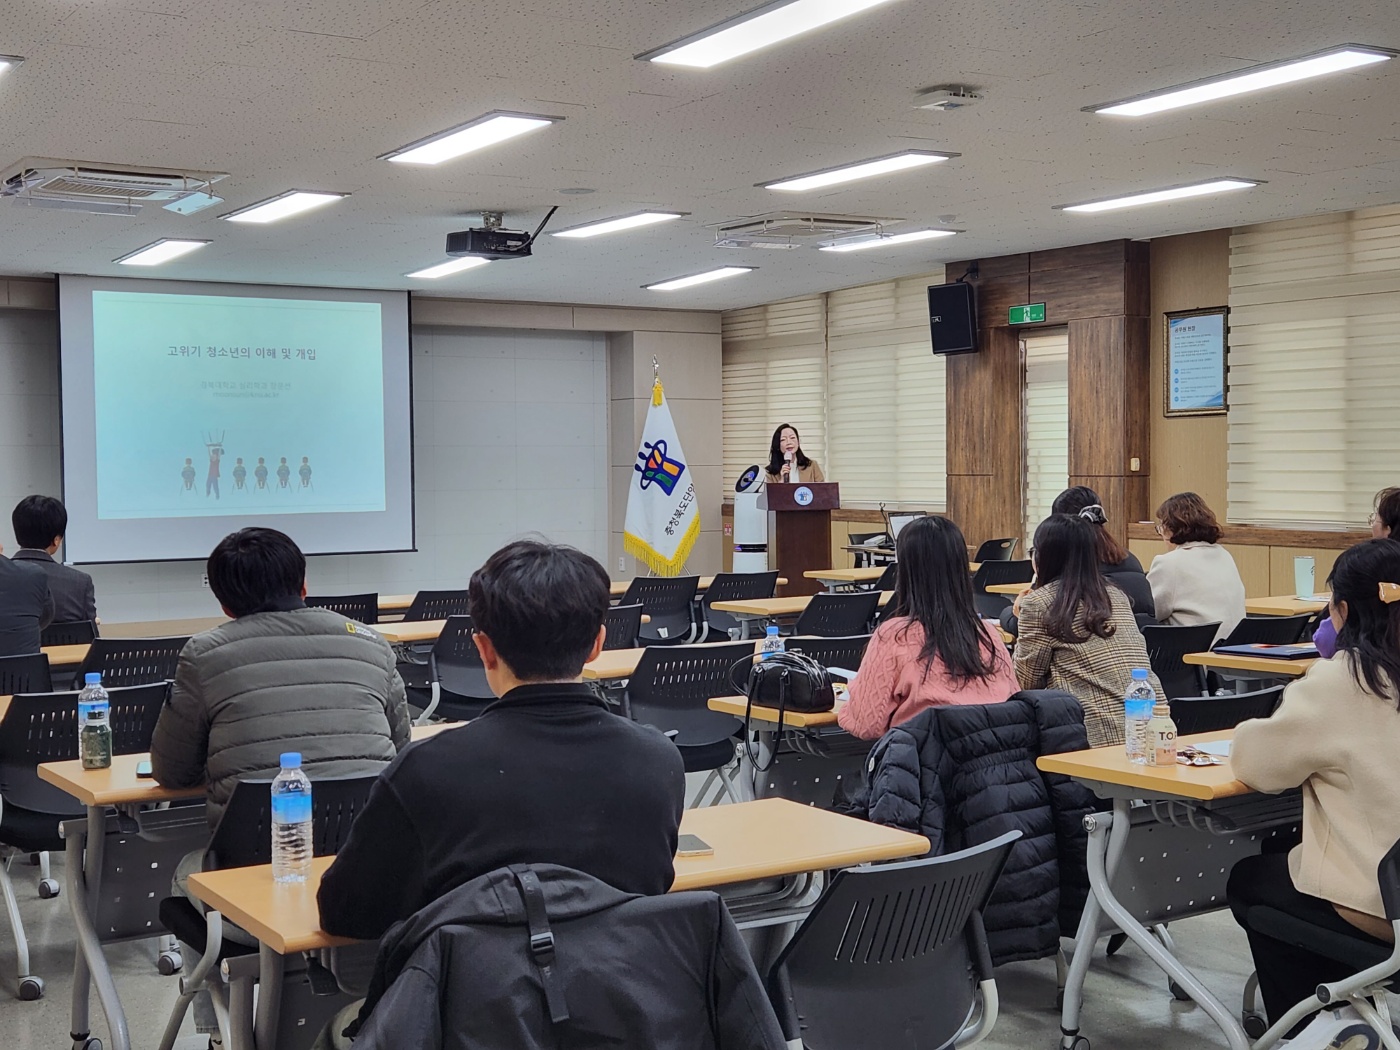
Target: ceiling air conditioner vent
[(792, 229), (107, 189)]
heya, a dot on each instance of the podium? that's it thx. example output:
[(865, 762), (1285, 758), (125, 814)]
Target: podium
[(799, 531)]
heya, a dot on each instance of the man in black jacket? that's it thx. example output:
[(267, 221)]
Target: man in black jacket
[(40, 522), (546, 775)]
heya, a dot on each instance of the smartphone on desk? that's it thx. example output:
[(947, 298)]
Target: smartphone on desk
[(693, 846), (143, 770)]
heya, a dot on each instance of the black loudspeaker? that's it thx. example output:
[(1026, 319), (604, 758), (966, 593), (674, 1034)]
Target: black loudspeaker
[(952, 318)]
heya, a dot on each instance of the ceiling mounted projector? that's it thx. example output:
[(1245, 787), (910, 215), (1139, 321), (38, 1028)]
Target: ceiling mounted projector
[(490, 241)]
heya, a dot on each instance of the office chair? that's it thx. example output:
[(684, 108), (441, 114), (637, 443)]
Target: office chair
[(25, 674), (437, 605), (732, 587), (361, 607), (844, 652), (667, 600), (132, 661), (623, 622), (458, 677), (989, 606), (838, 615), (996, 550), (1207, 714), (69, 632), (1166, 645), (1270, 630)]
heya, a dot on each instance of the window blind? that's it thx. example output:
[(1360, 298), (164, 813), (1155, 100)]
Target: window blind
[(1314, 380), (886, 407), (1046, 356), (774, 371)]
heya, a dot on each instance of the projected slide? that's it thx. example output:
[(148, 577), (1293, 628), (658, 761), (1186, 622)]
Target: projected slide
[(208, 405)]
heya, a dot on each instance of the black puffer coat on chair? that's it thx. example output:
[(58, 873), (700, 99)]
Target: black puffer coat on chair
[(963, 775)]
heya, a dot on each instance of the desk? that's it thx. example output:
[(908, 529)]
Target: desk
[(836, 579), (395, 603), (738, 707), (1166, 877), (882, 553), (753, 841), (1013, 589), (1285, 605), (410, 630), (619, 587), (1255, 665), (752, 609), (613, 664)]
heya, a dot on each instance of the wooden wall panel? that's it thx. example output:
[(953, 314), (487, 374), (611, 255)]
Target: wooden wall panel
[(1122, 497), (1075, 292), (1103, 255), (1137, 279), (984, 406), (985, 506), (1137, 356), (996, 295), (1097, 409)]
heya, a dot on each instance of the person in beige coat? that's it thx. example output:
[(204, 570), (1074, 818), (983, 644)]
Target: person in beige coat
[(1335, 735), (1197, 580)]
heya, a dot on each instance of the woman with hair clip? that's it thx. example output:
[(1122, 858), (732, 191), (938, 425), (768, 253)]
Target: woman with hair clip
[(932, 649), (1384, 522), (787, 463), (1335, 734), (1077, 628)]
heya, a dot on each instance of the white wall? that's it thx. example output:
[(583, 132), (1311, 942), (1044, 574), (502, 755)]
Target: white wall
[(510, 436)]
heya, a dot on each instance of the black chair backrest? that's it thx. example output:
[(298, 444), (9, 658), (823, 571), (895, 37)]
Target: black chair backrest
[(1209, 714), (624, 623), (990, 606), (667, 600), (132, 661), (43, 727), (361, 607), (832, 652), (455, 663), (893, 949), (25, 674), (1167, 645), (838, 615), (673, 684), (996, 550), (886, 580), (437, 605), (244, 833), (1270, 630), (733, 587), (70, 632)]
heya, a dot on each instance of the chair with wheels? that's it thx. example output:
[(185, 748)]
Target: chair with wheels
[(460, 691), (671, 690), (1167, 645), (43, 727), (731, 587), (244, 837), (1208, 714), (132, 661), (25, 674), (437, 605), (668, 601), (623, 622), (363, 608), (1270, 630), (996, 550), (838, 615), (69, 632), (990, 573), (895, 955)]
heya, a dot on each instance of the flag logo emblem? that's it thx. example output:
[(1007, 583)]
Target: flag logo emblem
[(657, 467)]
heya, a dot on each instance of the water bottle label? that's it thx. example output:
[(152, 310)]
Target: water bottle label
[(291, 808)]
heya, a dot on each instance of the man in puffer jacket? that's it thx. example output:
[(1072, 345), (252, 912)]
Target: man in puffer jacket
[(964, 775)]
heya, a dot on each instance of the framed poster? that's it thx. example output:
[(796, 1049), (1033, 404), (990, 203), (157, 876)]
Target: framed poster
[(1194, 360)]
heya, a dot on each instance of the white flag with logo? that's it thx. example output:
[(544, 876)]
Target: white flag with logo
[(663, 518)]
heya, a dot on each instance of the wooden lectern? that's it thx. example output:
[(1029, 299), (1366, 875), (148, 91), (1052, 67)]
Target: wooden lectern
[(799, 531)]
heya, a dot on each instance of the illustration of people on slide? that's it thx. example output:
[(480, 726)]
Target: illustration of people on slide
[(284, 474), (216, 450), (240, 473), (260, 473), (188, 475), (304, 472)]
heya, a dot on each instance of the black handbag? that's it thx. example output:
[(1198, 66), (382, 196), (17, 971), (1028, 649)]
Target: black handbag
[(787, 681)]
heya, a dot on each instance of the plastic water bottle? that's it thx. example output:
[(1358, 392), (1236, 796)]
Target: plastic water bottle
[(91, 695), (772, 642), (1137, 712), (291, 822)]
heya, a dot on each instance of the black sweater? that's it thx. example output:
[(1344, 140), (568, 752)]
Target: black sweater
[(546, 775)]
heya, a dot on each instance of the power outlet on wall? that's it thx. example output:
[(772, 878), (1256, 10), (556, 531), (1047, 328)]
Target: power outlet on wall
[(622, 564), (204, 579)]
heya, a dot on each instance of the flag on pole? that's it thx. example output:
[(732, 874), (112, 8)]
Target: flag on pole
[(663, 518)]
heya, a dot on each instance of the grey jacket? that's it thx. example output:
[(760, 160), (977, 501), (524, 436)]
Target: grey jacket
[(73, 595), (26, 607), (305, 680)]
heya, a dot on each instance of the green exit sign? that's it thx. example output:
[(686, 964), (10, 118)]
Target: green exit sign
[(1028, 314)]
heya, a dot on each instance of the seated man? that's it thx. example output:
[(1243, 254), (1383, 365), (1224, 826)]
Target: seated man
[(546, 775), (40, 522), (26, 607)]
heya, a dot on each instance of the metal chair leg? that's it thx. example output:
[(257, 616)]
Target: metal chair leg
[(30, 987)]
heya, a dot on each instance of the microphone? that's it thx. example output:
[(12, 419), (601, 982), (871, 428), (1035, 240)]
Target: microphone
[(788, 472)]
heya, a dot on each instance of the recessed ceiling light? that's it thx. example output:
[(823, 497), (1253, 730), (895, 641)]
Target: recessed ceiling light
[(1255, 78), (8, 62), (753, 30), (623, 222), (486, 130), (1175, 193), (160, 251), (449, 267), (283, 206), (676, 283), (910, 158), (888, 241)]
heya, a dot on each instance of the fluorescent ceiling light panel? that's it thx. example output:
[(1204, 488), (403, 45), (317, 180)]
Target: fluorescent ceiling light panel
[(865, 169), (449, 267), (8, 62), (1255, 78), (759, 28), (283, 206), (161, 251), (689, 281), (486, 130), (623, 222), (1175, 193), (888, 241)]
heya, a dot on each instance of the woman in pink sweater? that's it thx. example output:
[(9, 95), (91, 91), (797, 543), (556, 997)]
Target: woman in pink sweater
[(932, 648)]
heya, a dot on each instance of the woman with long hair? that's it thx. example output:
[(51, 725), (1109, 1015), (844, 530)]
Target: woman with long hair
[(1197, 580), (1077, 628), (1335, 734), (787, 463), (932, 648)]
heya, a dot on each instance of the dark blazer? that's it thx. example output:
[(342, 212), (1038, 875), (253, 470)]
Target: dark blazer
[(73, 595), (26, 607)]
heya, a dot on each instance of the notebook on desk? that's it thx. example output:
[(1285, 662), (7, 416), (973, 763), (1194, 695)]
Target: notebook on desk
[(1301, 651)]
